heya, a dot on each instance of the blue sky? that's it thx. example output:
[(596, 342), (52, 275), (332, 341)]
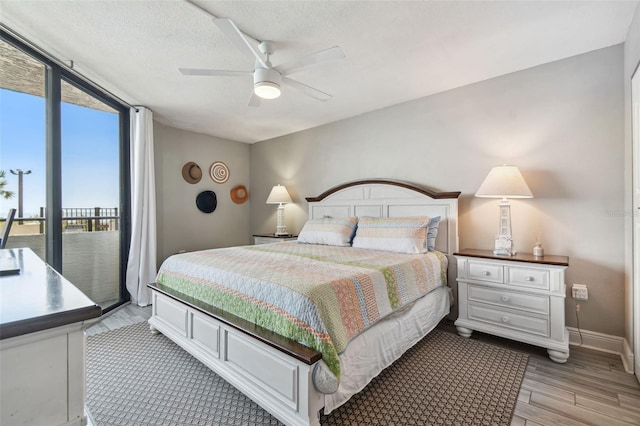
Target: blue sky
[(90, 153)]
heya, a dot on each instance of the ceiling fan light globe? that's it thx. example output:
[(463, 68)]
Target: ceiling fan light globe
[(267, 90)]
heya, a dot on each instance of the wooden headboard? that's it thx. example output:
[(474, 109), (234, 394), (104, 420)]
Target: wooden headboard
[(388, 198)]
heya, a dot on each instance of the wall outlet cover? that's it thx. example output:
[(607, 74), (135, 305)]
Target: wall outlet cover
[(579, 292)]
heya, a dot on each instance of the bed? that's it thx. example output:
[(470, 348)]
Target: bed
[(398, 298)]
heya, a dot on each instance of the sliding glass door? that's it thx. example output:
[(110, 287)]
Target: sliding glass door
[(90, 154), (70, 141)]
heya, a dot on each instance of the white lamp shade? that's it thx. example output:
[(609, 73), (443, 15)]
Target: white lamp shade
[(504, 182), (279, 195)]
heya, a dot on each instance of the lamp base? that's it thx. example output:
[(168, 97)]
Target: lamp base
[(504, 242), (281, 228), (504, 246)]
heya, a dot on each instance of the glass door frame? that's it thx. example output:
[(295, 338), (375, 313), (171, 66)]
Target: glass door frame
[(54, 75), (635, 217)]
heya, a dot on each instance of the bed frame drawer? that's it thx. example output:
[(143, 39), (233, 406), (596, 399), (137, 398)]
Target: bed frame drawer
[(273, 374), (206, 333), (171, 313)]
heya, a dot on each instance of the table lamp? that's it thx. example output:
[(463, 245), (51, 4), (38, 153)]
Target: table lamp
[(280, 196), (504, 182)]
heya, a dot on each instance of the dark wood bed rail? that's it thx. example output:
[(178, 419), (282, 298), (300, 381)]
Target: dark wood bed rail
[(422, 190)]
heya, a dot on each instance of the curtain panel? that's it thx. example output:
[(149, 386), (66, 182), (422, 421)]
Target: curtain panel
[(141, 268)]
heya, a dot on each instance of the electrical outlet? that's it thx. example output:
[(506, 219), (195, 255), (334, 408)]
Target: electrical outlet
[(579, 292)]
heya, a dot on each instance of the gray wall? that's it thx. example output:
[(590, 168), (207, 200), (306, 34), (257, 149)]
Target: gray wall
[(181, 226), (631, 60), (562, 123)]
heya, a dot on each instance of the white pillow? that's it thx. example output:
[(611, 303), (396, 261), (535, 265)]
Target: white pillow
[(397, 234), (331, 231)]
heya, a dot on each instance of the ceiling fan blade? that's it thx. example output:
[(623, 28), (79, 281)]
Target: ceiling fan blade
[(307, 90), (254, 100), (207, 72), (331, 54), (242, 43)]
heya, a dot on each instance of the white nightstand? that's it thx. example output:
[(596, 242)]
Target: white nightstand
[(518, 297), (271, 238)]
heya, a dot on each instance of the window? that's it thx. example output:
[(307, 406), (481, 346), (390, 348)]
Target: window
[(65, 148)]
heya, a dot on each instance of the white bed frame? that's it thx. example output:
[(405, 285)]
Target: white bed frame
[(273, 371)]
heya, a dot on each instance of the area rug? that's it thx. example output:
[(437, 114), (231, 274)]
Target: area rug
[(137, 378)]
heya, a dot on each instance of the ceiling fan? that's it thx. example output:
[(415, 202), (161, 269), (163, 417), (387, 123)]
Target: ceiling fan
[(267, 79)]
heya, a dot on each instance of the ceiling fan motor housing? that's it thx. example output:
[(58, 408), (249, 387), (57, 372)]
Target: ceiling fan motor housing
[(266, 83)]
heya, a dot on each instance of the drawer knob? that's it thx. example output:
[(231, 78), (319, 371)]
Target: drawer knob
[(528, 278), (486, 273), (505, 298), (505, 319)]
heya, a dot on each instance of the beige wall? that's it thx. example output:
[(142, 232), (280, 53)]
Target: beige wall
[(631, 60), (181, 226), (562, 123)]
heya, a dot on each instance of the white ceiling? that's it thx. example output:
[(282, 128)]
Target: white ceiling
[(396, 51)]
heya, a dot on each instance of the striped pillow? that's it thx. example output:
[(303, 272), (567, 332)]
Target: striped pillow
[(397, 234), (331, 231)]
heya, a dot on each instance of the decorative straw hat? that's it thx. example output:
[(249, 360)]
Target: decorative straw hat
[(191, 172), (239, 194)]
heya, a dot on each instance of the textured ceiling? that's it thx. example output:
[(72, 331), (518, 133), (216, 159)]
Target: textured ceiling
[(396, 51)]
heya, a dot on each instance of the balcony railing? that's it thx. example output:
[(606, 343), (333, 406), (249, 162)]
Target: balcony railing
[(74, 219)]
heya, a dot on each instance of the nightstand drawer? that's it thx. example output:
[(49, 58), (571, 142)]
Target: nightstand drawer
[(528, 277), (263, 239), (485, 271), (508, 319), (527, 302)]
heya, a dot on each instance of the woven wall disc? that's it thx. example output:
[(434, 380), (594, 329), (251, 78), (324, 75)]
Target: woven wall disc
[(219, 172)]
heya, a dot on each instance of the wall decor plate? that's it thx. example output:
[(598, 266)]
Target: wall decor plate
[(206, 201), (191, 172), (239, 194), (219, 172)]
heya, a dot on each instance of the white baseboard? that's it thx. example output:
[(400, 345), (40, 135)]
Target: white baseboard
[(627, 357), (604, 343)]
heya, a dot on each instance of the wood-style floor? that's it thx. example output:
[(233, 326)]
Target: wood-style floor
[(122, 316), (592, 388)]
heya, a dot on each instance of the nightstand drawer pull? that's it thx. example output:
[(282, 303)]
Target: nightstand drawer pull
[(505, 319), (486, 273), (505, 298), (529, 278)]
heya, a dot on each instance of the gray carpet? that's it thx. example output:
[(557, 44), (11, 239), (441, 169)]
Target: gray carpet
[(136, 378)]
